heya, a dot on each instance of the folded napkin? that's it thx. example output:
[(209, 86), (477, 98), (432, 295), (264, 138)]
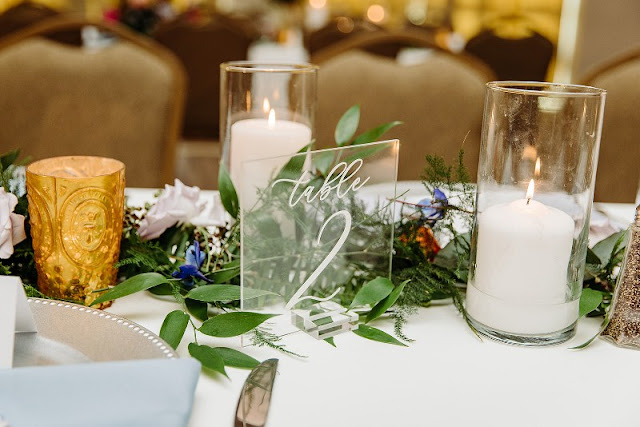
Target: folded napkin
[(156, 392)]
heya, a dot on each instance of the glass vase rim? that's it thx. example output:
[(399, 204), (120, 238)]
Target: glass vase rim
[(116, 166), (569, 90), (269, 67)]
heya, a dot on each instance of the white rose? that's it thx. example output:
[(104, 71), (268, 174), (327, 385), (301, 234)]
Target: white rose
[(213, 214), (178, 203), (11, 224)]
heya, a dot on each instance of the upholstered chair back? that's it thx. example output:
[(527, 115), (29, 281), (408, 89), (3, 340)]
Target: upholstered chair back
[(123, 101), (440, 102), (619, 162)]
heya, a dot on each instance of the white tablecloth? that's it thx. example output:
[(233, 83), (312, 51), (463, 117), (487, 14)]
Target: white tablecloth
[(447, 377)]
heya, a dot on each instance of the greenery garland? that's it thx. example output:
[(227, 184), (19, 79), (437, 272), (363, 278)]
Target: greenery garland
[(200, 268)]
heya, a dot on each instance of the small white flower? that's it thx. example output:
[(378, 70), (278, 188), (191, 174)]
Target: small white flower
[(178, 203), (11, 224)]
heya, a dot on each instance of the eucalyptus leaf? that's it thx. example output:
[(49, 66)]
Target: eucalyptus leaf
[(208, 357), (198, 309), (228, 194), (372, 292), (173, 327), (330, 341), (9, 158), (162, 289), (347, 125), (373, 134), (374, 334), (386, 303), (589, 301), (323, 160), (233, 324), (235, 358), (604, 249), (132, 285), (218, 293), (293, 168), (365, 152), (227, 272)]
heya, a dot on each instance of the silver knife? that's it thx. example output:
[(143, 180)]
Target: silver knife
[(255, 397)]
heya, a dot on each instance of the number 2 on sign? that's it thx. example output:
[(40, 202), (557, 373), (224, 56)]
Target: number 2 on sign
[(296, 298)]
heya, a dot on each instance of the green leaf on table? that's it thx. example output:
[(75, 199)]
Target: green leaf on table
[(217, 293), (589, 301), (606, 248), (162, 289), (592, 258), (323, 160), (374, 334), (208, 357), (365, 152), (235, 358), (380, 308), (227, 272), (228, 194), (173, 327), (9, 158), (132, 285), (372, 292), (373, 134), (293, 168), (198, 309), (347, 125), (233, 324)]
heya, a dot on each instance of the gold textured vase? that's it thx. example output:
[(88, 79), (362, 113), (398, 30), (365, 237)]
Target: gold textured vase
[(76, 205)]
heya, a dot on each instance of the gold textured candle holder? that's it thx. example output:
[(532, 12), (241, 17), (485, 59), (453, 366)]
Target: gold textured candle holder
[(76, 207)]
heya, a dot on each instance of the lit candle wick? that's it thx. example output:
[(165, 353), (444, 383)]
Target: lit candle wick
[(529, 195), (272, 119)]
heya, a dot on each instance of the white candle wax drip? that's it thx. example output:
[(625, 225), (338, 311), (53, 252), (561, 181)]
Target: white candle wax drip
[(520, 281)]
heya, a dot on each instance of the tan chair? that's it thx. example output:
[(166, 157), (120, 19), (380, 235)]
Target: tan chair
[(124, 101), (619, 163), (439, 101), (201, 48)]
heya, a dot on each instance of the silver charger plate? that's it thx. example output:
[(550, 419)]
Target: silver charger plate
[(70, 333)]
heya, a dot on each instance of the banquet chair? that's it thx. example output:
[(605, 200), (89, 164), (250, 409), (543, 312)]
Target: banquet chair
[(618, 166), (26, 13), (384, 43), (123, 101), (439, 101), (337, 30)]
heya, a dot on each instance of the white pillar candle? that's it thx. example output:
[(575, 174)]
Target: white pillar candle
[(253, 139), (520, 281)]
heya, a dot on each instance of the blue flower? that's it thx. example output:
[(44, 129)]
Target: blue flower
[(432, 210), (191, 268)]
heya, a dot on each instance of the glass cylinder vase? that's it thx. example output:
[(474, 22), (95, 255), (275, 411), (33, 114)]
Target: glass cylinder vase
[(266, 110), (536, 176)]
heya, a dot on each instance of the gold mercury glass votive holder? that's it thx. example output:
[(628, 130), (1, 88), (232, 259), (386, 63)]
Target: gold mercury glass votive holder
[(76, 207)]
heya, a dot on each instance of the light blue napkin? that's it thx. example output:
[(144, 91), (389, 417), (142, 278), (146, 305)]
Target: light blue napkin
[(156, 392)]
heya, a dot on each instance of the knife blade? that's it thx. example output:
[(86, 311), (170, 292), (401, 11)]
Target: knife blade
[(255, 397)]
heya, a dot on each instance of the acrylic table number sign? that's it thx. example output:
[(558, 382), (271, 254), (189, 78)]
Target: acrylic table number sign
[(312, 222), (15, 317)]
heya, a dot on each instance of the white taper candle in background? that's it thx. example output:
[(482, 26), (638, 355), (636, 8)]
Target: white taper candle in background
[(520, 283)]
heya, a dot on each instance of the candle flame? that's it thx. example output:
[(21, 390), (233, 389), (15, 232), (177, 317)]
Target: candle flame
[(530, 191), (536, 172), (272, 118), (266, 106)]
